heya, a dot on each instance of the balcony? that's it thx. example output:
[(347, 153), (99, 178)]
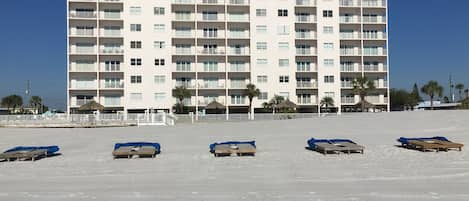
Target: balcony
[(376, 68), (305, 18), (238, 68), (306, 99), (112, 85), (114, 15), (346, 84), (306, 3), (347, 100), (305, 51), (82, 50), (184, 50), (238, 2), (82, 67), (306, 85), (183, 17), (215, 51), (379, 51), (350, 19), (183, 34), (183, 2), (305, 35), (238, 34), (82, 32), (112, 51), (111, 33), (350, 35), (349, 3), (211, 86), (374, 3), (83, 85), (380, 19), (350, 51), (355, 67), (187, 85), (237, 84), (238, 51), (204, 101), (375, 35), (82, 14), (211, 2), (111, 101), (238, 17)]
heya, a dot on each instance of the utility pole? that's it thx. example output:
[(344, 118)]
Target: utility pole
[(27, 92), (451, 88)]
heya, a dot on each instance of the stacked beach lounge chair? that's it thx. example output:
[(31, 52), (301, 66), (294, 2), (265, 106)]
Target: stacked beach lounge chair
[(140, 149), (429, 144), (237, 148), (28, 153), (336, 146)]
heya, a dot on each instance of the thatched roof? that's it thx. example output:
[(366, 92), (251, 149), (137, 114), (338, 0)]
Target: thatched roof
[(215, 105), (367, 104), (287, 104), (91, 106)]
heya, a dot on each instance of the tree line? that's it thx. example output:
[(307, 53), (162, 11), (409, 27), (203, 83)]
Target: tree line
[(14, 105)]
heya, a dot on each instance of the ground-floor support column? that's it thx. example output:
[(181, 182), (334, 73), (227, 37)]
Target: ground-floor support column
[(227, 112)]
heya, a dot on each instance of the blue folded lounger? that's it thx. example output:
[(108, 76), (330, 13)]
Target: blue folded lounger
[(50, 149), (312, 142), (405, 141), (212, 146), (139, 144)]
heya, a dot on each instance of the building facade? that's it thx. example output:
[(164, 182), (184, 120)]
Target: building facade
[(129, 55)]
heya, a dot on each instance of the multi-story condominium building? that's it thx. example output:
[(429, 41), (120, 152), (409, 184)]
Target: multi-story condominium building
[(129, 55)]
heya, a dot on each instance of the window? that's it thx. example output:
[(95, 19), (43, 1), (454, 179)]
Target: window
[(327, 13), (283, 62), (135, 62), (158, 10), (329, 94), (328, 62), (183, 66), (210, 66), (210, 32), (262, 79), (263, 96), (209, 15), (261, 46), (159, 62), (329, 79), (329, 46), (261, 28), (136, 44), (261, 12), (158, 44), (261, 61), (159, 79), (328, 29), (135, 27), (158, 27), (284, 79), (136, 96), (283, 30), (285, 95), (283, 46), (303, 66), (136, 79), (135, 10), (160, 97), (282, 12)]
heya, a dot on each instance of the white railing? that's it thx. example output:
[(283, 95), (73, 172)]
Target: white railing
[(86, 120)]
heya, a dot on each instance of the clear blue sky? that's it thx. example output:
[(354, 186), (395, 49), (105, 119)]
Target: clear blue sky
[(429, 39)]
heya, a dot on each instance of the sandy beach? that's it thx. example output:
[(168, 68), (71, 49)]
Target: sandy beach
[(282, 169)]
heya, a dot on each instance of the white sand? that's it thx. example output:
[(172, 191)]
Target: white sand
[(282, 170)]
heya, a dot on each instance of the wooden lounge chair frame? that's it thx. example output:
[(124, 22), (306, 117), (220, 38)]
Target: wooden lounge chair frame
[(432, 144), (130, 151), (234, 149), (338, 147), (24, 155)]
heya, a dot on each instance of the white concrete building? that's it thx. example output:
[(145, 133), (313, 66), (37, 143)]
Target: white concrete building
[(130, 54)]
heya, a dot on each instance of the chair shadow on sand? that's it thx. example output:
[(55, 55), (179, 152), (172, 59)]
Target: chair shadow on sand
[(35, 159)]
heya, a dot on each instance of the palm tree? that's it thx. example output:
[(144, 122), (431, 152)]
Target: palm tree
[(251, 91), (275, 101), (12, 101), (460, 88), (432, 89), (327, 101), (36, 103), (362, 86), (180, 93)]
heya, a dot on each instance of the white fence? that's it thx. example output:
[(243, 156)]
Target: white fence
[(86, 120), (188, 118)]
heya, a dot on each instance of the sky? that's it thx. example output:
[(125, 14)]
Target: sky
[(428, 40)]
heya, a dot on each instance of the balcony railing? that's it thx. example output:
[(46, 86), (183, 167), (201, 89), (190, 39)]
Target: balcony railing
[(347, 100), (306, 84), (83, 14), (305, 2)]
